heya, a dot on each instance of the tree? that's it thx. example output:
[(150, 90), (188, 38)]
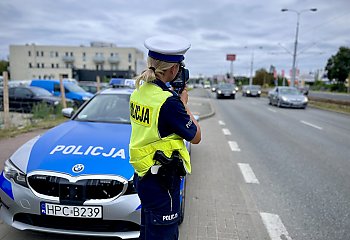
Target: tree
[(338, 66), (262, 77), (3, 66)]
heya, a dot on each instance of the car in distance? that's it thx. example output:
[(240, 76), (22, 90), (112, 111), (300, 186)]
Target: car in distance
[(71, 89), (287, 97), (24, 98), (91, 87), (251, 90), (225, 90), (76, 178)]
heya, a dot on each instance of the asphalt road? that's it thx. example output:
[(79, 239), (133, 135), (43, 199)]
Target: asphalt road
[(301, 161)]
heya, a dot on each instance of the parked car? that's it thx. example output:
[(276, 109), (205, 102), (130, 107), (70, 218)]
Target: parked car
[(76, 178), (287, 97), (225, 90), (72, 90), (251, 90), (24, 98), (91, 87)]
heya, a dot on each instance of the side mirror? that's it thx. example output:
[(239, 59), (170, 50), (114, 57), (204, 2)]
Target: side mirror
[(196, 117), (67, 112)]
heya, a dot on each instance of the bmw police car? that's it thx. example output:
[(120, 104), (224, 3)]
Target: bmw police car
[(76, 178)]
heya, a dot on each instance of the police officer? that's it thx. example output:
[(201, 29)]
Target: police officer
[(160, 120)]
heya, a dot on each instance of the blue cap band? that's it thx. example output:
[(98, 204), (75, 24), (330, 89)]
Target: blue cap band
[(166, 58)]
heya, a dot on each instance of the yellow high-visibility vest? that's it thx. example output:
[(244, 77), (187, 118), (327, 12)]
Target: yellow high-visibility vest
[(145, 104)]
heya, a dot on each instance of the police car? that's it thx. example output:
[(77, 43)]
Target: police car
[(76, 178)]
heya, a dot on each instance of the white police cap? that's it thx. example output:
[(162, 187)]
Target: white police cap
[(167, 48)]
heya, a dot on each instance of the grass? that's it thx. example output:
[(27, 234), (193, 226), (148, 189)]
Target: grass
[(335, 107), (36, 124)]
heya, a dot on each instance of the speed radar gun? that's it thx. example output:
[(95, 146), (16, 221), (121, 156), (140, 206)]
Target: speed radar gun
[(181, 79), (168, 168)]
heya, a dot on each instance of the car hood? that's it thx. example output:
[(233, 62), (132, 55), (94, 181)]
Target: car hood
[(49, 98), (101, 148)]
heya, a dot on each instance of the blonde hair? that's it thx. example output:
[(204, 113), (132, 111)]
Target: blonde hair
[(149, 74)]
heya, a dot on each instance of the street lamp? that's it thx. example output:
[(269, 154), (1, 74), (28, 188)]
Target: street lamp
[(296, 38), (251, 66)]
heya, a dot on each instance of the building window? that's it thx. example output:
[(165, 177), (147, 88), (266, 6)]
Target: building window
[(56, 54), (42, 65), (38, 65), (42, 53), (30, 65), (29, 53), (52, 65), (37, 53), (129, 57), (57, 66), (67, 54), (71, 53), (129, 68), (84, 66)]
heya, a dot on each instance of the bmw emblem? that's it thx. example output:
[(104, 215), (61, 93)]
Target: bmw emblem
[(77, 168)]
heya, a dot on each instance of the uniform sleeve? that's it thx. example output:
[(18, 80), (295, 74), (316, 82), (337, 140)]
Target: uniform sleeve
[(173, 118)]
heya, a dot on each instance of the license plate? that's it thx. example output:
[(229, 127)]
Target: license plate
[(227, 94), (71, 211)]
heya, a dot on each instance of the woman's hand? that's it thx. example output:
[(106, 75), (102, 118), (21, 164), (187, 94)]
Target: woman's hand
[(184, 96)]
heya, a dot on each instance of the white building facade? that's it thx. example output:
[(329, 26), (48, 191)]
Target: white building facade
[(84, 63)]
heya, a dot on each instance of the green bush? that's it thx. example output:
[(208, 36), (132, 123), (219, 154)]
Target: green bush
[(44, 111)]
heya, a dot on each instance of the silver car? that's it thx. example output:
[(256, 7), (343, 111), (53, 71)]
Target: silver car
[(287, 97)]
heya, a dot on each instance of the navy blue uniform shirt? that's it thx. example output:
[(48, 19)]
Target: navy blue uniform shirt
[(173, 117)]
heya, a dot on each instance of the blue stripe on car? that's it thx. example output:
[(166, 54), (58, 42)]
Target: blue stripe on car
[(6, 186)]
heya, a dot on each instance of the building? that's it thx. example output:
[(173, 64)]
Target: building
[(83, 63)]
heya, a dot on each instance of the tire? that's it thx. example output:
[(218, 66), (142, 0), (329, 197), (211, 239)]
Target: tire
[(279, 103)]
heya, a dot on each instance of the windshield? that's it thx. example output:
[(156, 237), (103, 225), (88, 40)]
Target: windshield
[(289, 91), (255, 87), (106, 108), (74, 88), (40, 92), (226, 86)]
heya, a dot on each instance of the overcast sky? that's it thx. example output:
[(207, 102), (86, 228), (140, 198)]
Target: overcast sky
[(214, 27)]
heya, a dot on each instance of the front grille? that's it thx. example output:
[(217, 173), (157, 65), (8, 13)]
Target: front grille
[(77, 224), (81, 190)]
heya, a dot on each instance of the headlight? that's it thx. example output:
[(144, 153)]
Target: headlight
[(12, 172), (219, 91), (56, 103), (305, 99), (284, 99), (259, 92), (248, 91), (236, 89), (131, 189), (233, 91), (86, 98)]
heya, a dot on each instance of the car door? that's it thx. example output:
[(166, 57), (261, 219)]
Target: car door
[(274, 96), (24, 99)]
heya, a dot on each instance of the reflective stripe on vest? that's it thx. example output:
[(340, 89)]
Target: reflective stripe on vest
[(145, 104)]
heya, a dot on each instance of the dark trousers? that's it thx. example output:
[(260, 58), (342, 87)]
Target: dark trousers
[(160, 207)]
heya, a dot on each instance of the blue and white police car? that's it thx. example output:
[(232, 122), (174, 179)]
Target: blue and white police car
[(76, 178)]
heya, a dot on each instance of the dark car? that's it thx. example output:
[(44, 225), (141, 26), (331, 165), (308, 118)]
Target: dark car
[(225, 90), (24, 98), (287, 97), (91, 87), (251, 90)]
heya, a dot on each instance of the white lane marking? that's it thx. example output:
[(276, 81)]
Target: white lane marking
[(272, 110), (311, 125), (221, 123), (226, 131), (234, 146), (248, 173), (274, 226)]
